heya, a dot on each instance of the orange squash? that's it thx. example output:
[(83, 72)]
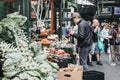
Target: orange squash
[(45, 41)]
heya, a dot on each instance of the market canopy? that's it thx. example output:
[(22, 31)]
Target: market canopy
[(84, 2), (14, 0), (7, 0), (72, 4), (86, 8)]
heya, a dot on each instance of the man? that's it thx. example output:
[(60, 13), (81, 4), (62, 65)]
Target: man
[(94, 49), (84, 38)]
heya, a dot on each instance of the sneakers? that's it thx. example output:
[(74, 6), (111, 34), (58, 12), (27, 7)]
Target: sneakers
[(99, 63), (90, 64), (113, 64)]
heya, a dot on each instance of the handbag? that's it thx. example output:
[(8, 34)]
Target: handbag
[(100, 45), (117, 40)]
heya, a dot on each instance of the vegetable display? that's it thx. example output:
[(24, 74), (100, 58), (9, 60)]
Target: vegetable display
[(20, 60)]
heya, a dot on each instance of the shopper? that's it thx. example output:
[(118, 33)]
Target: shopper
[(65, 30), (94, 50), (105, 34), (113, 47), (118, 44), (84, 38)]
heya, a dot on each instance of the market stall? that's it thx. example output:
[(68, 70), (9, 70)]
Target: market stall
[(23, 61)]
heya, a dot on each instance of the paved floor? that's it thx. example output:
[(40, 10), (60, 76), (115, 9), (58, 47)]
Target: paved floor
[(111, 72)]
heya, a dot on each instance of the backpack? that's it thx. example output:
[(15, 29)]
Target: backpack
[(117, 41)]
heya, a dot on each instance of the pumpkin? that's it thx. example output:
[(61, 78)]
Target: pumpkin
[(45, 41)]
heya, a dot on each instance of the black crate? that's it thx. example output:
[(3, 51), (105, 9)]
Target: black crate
[(93, 75), (64, 62), (67, 60)]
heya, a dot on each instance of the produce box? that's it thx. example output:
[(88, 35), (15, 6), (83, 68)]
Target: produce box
[(70, 51), (71, 73)]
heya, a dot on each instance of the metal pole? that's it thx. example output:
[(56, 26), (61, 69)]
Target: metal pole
[(60, 17), (102, 4), (26, 12), (55, 20), (52, 16)]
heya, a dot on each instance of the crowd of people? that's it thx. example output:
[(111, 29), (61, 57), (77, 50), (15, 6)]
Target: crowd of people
[(87, 34), (91, 38)]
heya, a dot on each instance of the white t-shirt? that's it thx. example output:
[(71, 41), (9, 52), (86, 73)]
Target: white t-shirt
[(105, 33)]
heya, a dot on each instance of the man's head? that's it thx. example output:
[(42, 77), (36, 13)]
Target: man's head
[(76, 17), (95, 23)]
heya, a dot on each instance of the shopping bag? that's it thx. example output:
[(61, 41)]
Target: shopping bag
[(100, 45)]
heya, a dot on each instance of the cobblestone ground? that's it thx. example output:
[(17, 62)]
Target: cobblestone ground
[(111, 72)]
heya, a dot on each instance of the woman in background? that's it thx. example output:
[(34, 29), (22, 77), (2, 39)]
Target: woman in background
[(118, 44), (113, 47)]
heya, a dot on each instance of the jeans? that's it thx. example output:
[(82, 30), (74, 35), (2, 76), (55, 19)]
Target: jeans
[(83, 54)]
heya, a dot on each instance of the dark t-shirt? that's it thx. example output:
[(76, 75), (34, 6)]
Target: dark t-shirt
[(95, 34)]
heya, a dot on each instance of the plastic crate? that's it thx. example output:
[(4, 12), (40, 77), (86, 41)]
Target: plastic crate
[(93, 75), (64, 62)]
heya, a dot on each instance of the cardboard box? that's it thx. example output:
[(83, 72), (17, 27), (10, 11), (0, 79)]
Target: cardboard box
[(71, 73)]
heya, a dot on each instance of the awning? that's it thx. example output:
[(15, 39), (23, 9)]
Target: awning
[(84, 2), (89, 9), (7, 0), (72, 4)]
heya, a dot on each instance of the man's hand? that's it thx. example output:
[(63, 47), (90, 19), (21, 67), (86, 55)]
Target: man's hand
[(96, 29)]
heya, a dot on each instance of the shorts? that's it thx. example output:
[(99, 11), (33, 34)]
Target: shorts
[(97, 50), (94, 49), (93, 46)]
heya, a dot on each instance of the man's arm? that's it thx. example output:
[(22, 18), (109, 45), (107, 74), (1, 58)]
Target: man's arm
[(81, 32)]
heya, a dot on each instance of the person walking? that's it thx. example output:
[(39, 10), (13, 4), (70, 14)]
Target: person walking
[(84, 38)]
